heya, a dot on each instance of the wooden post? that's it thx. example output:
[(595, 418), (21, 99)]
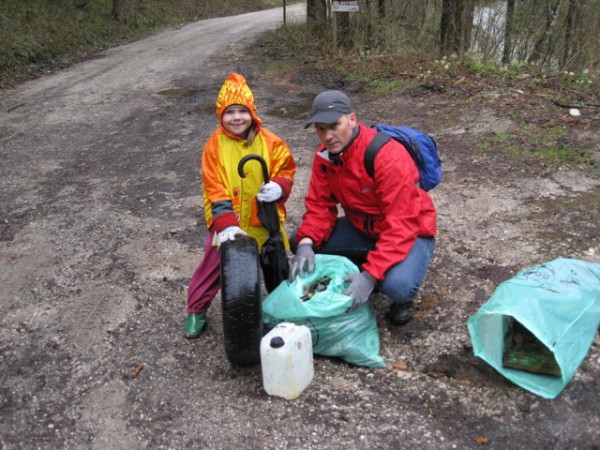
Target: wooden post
[(284, 12), (341, 6), (334, 18)]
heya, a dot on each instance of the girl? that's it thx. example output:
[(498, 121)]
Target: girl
[(229, 204)]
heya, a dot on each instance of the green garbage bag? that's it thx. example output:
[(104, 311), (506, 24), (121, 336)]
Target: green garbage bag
[(556, 306), (317, 301)]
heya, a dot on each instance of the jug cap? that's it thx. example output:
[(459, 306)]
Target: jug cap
[(277, 342)]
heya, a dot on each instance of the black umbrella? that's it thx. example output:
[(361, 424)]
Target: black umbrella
[(273, 258)]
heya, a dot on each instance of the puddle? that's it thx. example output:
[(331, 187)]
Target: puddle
[(178, 92), (289, 111), (207, 109)]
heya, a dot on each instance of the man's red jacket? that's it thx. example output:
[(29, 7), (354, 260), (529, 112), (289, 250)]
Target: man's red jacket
[(390, 209)]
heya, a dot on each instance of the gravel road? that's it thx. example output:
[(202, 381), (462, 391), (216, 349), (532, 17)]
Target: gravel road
[(101, 228)]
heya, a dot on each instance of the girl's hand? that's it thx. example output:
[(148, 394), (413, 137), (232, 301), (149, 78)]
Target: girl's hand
[(229, 234), (269, 192)]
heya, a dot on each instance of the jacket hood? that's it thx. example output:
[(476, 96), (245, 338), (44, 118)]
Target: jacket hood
[(235, 91)]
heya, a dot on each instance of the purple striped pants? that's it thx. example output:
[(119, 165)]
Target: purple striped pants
[(206, 281)]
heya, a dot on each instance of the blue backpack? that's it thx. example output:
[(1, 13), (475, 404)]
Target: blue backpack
[(420, 145)]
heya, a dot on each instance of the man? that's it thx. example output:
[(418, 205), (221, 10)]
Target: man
[(389, 222)]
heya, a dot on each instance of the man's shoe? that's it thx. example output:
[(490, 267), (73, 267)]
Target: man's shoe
[(401, 313), (194, 325)]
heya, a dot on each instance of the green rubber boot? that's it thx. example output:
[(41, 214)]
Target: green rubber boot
[(194, 324)]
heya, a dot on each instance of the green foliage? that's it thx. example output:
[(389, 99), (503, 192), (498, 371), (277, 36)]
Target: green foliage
[(449, 65), (476, 64), (583, 81), (502, 135), (549, 145), (293, 41), (555, 157)]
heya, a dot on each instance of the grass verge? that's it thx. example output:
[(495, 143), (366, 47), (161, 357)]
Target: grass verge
[(37, 36)]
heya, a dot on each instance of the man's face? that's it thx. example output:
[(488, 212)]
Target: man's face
[(335, 136)]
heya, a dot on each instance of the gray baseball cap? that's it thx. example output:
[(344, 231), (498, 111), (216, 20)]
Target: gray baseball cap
[(329, 106)]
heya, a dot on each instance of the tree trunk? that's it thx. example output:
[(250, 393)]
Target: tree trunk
[(448, 27), (544, 42), (116, 9), (311, 10), (381, 8), (569, 48), (316, 11), (466, 26), (508, 32), (343, 28), (455, 26)]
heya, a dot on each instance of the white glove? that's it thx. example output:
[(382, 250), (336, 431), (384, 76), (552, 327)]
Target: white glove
[(229, 234), (269, 192)]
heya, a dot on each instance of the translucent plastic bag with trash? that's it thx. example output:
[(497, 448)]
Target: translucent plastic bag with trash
[(537, 327), (317, 301)]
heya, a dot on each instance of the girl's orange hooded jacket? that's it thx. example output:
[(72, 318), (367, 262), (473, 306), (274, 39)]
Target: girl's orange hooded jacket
[(228, 198)]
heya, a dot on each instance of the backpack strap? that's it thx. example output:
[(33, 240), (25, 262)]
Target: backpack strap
[(373, 148)]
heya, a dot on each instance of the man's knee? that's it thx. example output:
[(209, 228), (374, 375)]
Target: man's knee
[(400, 291)]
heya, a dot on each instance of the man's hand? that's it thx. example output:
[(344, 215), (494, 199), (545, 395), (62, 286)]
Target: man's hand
[(361, 286), (305, 256), (229, 234), (269, 192)]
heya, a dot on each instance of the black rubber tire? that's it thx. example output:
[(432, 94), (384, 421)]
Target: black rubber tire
[(241, 299)]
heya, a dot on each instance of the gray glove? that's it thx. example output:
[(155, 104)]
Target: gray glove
[(269, 192), (304, 256), (361, 286)]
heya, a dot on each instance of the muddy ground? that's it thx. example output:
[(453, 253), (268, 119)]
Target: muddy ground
[(101, 228)]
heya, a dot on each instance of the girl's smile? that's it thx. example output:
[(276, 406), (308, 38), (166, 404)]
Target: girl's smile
[(237, 120)]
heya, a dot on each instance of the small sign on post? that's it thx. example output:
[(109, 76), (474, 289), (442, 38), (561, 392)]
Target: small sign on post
[(344, 6), (341, 6)]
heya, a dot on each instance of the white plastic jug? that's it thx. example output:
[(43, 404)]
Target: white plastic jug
[(286, 357)]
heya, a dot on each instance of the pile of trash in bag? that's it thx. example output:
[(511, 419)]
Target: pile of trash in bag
[(317, 301), (537, 327)]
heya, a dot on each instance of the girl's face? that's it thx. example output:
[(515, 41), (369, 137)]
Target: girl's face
[(237, 120)]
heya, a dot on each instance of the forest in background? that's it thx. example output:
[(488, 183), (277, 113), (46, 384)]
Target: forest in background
[(503, 38), (547, 34)]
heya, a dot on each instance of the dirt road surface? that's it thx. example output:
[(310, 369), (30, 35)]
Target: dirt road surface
[(101, 228)]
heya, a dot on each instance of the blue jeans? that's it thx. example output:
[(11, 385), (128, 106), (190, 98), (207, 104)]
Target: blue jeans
[(402, 281)]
